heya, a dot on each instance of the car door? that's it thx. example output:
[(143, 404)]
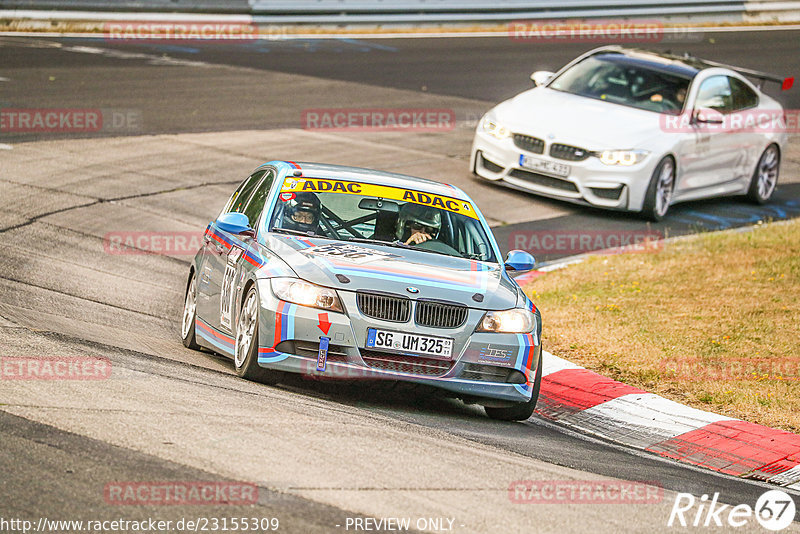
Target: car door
[(237, 266), (749, 140), (710, 152), (221, 248)]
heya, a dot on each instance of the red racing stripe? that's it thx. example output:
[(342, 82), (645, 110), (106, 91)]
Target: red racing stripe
[(572, 390), (732, 447)]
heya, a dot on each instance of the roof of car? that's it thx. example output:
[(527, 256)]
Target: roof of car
[(684, 65), (358, 174)]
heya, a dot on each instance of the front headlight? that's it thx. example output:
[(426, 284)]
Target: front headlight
[(625, 158), (494, 128), (513, 321), (304, 293)]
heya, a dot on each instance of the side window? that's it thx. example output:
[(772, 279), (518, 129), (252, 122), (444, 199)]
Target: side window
[(743, 96), (240, 197), (715, 93), (256, 204)]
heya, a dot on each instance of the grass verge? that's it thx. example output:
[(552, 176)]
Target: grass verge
[(710, 321)]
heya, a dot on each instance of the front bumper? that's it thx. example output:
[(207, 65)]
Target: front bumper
[(486, 365), (589, 182)]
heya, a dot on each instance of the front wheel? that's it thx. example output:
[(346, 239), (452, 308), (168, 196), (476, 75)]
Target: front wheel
[(190, 315), (659, 192), (765, 176), (523, 410), (246, 352)]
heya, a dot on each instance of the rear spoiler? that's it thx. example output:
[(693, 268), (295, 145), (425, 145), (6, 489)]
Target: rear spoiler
[(786, 83)]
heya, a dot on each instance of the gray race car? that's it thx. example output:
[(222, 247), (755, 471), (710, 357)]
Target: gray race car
[(358, 274)]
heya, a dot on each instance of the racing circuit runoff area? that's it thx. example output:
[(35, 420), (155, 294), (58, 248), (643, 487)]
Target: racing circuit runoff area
[(182, 124)]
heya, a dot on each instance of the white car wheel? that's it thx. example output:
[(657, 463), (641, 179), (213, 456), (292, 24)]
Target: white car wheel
[(659, 192), (246, 351), (765, 175), (190, 315)]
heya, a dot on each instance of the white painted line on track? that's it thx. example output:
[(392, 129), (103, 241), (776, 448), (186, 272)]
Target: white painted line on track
[(789, 478), (636, 416), (553, 364), (5, 147)]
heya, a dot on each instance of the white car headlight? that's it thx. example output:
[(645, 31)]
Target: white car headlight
[(513, 321), (623, 157), (494, 128), (304, 293)]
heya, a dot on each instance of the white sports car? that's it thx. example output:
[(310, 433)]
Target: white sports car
[(635, 130)]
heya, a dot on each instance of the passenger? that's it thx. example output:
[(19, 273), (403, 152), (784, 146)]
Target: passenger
[(417, 224)]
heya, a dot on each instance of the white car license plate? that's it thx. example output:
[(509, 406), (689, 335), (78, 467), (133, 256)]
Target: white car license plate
[(436, 347), (542, 165)]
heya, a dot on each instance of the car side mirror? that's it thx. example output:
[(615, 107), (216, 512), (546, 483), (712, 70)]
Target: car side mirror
[(235, 223), (707, 116), (520, 261), (541, 77)]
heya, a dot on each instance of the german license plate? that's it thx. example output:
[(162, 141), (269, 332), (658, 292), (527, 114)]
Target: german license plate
[(542, 165), (436, 347)]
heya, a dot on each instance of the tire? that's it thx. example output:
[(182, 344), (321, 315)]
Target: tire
[(765, 176), (523, 410), (246, 351), (659, 192), (190, 315)]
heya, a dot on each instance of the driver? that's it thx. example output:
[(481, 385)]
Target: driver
[(417, 224), (301, 213)]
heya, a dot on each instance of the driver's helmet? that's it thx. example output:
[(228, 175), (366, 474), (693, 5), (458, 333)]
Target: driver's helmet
[(415, 218), (301, 213)]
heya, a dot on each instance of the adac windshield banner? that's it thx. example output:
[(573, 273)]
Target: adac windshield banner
[(323, 185)]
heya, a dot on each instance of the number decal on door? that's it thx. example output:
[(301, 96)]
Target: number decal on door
[(227, 293)]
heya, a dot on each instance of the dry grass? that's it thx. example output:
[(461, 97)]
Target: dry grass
[(711, 321)]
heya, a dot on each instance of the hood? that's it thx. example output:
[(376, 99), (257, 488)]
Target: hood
[(575, 120), (367, 266)]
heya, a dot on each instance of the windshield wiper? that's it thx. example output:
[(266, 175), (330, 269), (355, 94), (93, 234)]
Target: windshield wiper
[(297, 232), (476, 256), (398, 244)]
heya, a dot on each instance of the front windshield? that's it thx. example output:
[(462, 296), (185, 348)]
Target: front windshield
[(622, 80), (392, 216)]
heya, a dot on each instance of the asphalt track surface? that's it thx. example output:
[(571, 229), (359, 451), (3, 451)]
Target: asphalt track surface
[(319, 452)]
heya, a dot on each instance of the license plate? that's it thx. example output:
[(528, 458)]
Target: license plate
[(542, 165), (435, 347)]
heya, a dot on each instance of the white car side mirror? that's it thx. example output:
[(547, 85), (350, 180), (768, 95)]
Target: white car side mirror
[(707, 116), (541, 77)]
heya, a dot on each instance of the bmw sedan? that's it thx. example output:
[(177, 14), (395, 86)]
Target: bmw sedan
[(358, 274)]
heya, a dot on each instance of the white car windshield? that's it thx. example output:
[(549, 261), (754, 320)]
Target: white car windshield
[(632, 82)]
